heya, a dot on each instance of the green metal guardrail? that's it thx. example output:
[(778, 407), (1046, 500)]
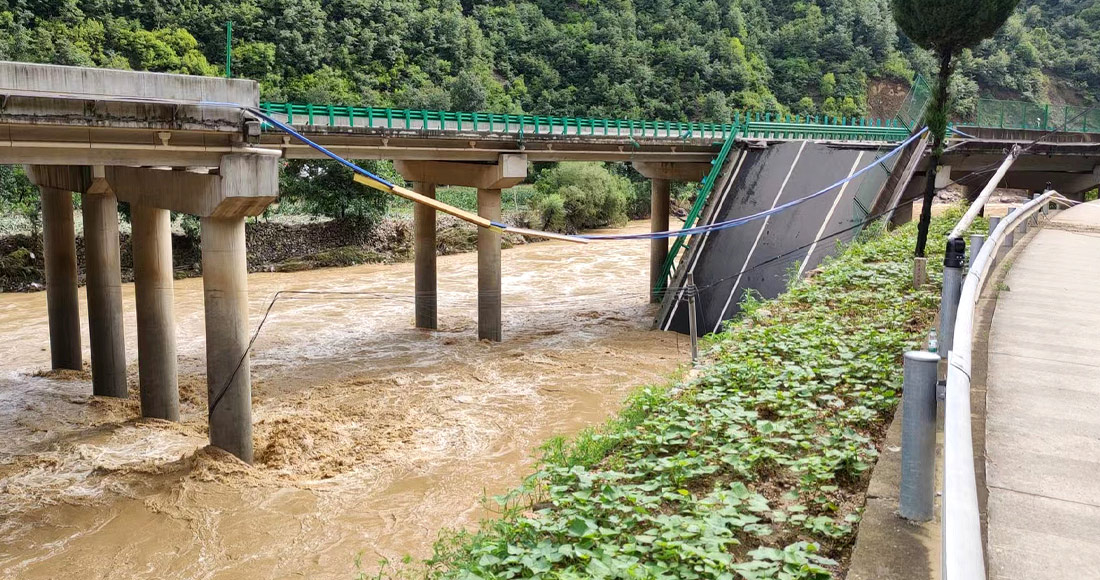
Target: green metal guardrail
[(998, 114), (667, 269), (755, 125)]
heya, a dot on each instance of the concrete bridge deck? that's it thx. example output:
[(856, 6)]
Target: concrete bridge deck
[(1043, 407)]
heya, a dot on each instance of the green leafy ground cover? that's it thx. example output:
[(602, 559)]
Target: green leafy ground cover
[(754, 467)]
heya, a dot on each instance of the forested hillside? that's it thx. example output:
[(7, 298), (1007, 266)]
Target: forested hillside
[(676, 60)]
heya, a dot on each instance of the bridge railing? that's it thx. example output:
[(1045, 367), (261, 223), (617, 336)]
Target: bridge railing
[(999, 114), (757, 125), (961, 523)]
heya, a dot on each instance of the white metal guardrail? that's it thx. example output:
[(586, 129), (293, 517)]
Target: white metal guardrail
[(963, 554)]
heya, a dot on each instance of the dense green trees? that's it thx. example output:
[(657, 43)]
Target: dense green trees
[(675, 60)]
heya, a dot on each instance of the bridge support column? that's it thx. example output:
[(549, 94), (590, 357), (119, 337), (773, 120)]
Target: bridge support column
[(104, 288), (658, 222), (425, 269), (156, 326), (488, 268), (489, 179), (225, 293), (660, 175), (59, 247)]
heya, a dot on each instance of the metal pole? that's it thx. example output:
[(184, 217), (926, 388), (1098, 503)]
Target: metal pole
[(692, 323), (918, 436), (229, 49), (952, 289), (976, 242)]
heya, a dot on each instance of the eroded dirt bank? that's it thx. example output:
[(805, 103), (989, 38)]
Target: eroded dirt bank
[(370, 436)]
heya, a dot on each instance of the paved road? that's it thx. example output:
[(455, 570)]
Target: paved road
[(1043, 414)]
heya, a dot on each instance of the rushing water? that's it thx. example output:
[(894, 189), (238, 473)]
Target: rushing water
[(370, 436)]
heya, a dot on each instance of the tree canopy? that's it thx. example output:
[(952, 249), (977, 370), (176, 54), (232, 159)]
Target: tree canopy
[(676, 60), (949, 25)]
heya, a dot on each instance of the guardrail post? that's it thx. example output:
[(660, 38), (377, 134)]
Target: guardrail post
[(976, 243), (1010, 235), (952, 288), (918, 436)]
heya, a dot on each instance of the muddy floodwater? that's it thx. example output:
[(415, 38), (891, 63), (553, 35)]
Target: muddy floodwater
[(370, 436)]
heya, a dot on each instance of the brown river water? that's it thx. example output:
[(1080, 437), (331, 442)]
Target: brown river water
[(370, 436)]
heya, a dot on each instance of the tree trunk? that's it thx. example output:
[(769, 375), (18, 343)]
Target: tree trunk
[(937, 124)]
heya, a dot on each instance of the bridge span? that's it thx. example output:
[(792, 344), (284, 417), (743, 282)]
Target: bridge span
[(165, 143)]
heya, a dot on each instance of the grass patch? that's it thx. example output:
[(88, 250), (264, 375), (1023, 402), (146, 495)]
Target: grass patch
[(756, 466)]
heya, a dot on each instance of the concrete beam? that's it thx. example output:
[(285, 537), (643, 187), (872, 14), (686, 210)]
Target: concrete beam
[(104, 288), (1065, 183), (508, 171), (672, 171), (488, 268), (425, 269), (158, 379), (225, 294), (59, 241), (660, 198), (244, 186), (104, 84)]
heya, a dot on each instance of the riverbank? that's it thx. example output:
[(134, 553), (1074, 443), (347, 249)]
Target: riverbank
[(755, 466)]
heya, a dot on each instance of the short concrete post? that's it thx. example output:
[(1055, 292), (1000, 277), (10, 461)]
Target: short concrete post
[(425, 267), (104, 288), (225, 293), (158, 381), (952, 289), (59, 247), (918, 436), (920, 272), (660, 194), (1010, 234), (488, 268), (976, 243)]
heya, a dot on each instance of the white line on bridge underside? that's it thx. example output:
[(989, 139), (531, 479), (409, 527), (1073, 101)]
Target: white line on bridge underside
[(829, 216), (759, 234)]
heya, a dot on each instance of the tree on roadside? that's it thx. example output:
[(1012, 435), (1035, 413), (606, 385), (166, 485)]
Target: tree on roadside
[(945, 27)]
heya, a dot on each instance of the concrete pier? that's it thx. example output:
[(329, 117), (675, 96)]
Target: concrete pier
[(425, 247), (156, 326), (225, 292), (488, 268), (59, 241), (661, 175), (104, 288), (658, 222)]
